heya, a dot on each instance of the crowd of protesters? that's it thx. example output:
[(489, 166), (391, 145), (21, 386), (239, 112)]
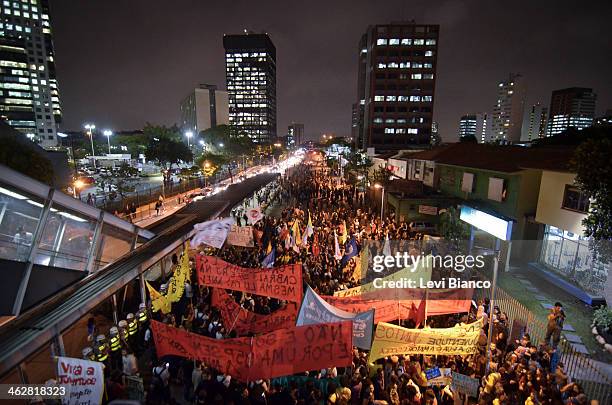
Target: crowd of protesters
[(518, 371)]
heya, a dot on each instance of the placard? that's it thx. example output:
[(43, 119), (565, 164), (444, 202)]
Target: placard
[(465, 384), (83, 379), (241, 236)]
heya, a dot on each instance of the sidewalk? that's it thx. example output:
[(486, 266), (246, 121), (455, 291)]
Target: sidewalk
[(146, 214)]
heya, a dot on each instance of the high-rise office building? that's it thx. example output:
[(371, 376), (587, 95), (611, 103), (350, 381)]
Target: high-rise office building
[(534, 123), (250, 70), (508, 110), (29, 95), (395, 85), (573, 107), (295, 134), (204, 108), (477, 125)]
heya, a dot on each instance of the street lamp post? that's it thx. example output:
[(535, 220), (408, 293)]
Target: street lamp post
[(90, 128), (108, 134), (382, 200)]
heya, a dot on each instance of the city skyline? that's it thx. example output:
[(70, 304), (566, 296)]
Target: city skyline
[(140, 69)]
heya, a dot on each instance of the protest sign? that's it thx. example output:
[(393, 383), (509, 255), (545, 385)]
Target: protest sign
[(314, 310), (278, 353), (228, 356), (301, 348), (432, 373), (465, 384), (244, 322), (241, 236), (212, 233), (443, 379), (83, 379), (394, 340), (283, 282), (254, 215), (385, 310)]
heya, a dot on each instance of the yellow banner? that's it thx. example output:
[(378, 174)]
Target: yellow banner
[(422, 271), (158, 301), (392, 340), (176, 287)]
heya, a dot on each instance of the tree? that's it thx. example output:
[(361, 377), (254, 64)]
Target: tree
[(468, 139), (382, 176), (435, 139), (165, 146), (452, 228), (235, 143), (135, 143), (25, 158), (591, 163)]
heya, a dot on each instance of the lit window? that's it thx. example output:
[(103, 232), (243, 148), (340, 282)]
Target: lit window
[(393, 65), (419, 42), (390, 121), (430, 42), (389, 130), (401, 120), (378, 120), (406, 41), (394, 41), (404, 65), (428, 76), (428, 53), (382, 66), (413, 131), (427, 65), (379, 98), (381, 41), (416, 76), (417, 65), (402, 98), (400, 130), (391, 98), (427, 98)]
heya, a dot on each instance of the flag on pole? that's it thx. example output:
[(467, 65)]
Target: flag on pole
[(268, 261), (297, 236), (254, 215), (351, 250), (309, 228), (337, 254), (158, 301)]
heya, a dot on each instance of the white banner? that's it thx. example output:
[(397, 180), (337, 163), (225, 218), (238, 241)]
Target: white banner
[(83, 379), (241, 236), (254, 215), (212, 233)]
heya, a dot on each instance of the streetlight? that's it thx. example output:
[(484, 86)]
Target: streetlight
[(77, 185), (90, 128), (189, 134), (108, 133), (221, 145), (382, 200), (30, 136)]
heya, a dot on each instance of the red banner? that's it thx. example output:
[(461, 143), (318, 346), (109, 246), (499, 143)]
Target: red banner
[(301, 348), (442, 302), (283, 282), (244, 322), (229, 356), (386, 310), (278, 353)]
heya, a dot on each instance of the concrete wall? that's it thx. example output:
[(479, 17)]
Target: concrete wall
[(549, 211)]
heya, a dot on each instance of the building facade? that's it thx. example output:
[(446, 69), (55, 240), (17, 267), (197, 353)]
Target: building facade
[(508, 110), (250, 70), (204, 108), (295, 134), (534, 123), (29, 94), (573, 107), (477, 125), (396, 85)]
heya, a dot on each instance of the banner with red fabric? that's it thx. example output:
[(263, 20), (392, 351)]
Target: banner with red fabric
[(386, 310), (244, 322), (282, 282), (278, 353)]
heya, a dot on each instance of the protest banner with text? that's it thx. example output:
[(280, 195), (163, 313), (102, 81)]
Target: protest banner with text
[(83, 379), (394, 340), (241, 236), (385, 310), (283, 282), (244, 322), (465, 384)]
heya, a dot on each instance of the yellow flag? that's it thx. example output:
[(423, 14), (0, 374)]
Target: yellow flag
[(269, 249), (390, 340), (344, 235), (297, 236), (158, 301), (176, 287)]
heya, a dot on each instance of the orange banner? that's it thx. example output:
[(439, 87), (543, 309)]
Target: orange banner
[(275, 354), (386, 310), (229, 356), (244, 322), (283, 282), (302, 348)]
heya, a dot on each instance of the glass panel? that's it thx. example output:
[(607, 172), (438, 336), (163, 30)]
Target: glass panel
[(66, 239), (114, 243), (568, 256), (19, 217)]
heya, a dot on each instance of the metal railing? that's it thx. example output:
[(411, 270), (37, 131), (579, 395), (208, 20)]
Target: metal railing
[(595, 382)]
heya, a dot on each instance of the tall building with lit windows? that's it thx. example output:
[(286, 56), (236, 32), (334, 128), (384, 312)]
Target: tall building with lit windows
[(395, 86), (477, 125), (534, 123), (508, 110), (571, 108), (250, 70), (29, 94)]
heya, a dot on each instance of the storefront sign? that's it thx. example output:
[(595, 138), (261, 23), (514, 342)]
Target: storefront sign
[(428, 210), (498, 227)]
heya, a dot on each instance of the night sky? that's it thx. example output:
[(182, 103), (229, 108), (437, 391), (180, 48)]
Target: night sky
[(123, 63)]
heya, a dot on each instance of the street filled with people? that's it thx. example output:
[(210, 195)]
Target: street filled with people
[(312, 207)]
